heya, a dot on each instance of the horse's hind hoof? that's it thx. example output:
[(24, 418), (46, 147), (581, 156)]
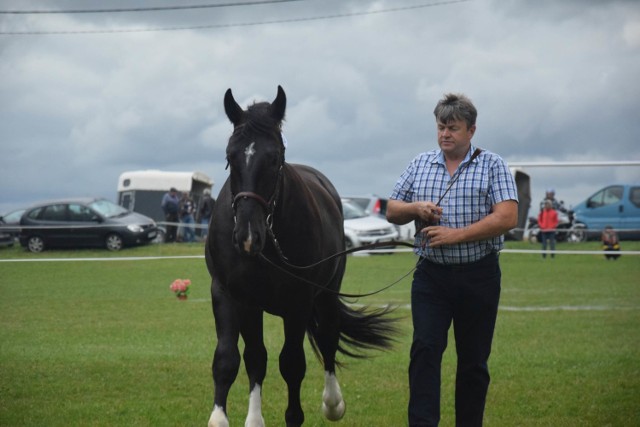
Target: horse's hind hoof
[(334, 413)]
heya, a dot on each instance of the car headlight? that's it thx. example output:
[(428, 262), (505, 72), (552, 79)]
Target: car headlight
[(134, 228)]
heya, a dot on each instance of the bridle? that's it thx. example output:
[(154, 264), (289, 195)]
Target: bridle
[(269, 205)]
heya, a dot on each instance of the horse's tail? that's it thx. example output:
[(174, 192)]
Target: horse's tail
[(361, 329)]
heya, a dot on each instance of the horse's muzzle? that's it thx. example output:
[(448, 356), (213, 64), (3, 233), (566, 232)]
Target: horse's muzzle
[(248, 241)]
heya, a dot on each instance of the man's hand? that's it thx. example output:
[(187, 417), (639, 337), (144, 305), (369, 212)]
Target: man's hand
[(438, 235)]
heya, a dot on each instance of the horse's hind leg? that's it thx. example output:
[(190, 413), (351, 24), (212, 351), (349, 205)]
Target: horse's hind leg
[(226, 359), (255, 361), (328, 335)]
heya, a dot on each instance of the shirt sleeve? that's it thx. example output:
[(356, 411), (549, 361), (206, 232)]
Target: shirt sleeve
[(503, 185), (403, 189)]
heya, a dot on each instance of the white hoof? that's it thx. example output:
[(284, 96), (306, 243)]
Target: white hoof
[(333, 406), (334, 413), (218, 418), (254, 422)]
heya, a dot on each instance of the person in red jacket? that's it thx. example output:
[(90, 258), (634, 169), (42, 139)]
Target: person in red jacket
[(548, 221)]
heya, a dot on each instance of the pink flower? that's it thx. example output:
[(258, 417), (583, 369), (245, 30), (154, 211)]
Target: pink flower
[(180, 286)]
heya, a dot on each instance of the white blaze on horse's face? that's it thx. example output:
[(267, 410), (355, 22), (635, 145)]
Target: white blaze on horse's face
[(248, 153), (249, 240)]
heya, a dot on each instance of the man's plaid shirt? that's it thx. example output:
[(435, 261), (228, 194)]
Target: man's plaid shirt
[(484, 183)]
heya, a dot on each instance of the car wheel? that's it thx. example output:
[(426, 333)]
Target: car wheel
[(114, 242), (35, 244), (160, 236), (348, 244)]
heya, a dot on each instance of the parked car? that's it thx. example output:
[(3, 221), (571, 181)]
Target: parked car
[(362, 229), (86, 222), (10, 225), (617, 206), (376, 205)]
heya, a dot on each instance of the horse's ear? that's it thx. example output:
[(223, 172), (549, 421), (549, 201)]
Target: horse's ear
[(231, 107), (279, 105)]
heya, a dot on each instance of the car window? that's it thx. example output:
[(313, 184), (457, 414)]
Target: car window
[(607, 196), (352, 211), (80, 213), (54, 213), (108, 209), (634, 196), (34, 214)]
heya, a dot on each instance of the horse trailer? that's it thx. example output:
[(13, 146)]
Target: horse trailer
[(142, 191)]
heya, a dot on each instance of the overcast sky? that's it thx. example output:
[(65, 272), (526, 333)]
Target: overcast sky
[(552, 80)]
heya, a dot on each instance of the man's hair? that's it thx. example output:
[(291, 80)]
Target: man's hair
[(455, 106)]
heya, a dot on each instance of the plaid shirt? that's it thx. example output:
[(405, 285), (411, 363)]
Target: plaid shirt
[(484, 183)]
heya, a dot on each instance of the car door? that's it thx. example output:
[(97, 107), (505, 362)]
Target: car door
[(605, 208), (53, 225), (86, 225), (630, 214)]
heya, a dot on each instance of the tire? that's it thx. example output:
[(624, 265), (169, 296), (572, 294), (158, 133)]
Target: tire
[(114, 242), (160, 236), (577, 233), (348, 244), (35, 244)]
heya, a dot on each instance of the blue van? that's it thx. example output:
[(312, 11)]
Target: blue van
[(614, 205)]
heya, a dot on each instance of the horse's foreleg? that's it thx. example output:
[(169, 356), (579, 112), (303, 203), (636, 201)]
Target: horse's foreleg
[(328, 335), (255, 361), (293, 366), (226, 358)]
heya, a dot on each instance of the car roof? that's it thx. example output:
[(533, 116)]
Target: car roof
[(81, 200)]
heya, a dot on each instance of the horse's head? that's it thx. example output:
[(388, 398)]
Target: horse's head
[(255, 156)]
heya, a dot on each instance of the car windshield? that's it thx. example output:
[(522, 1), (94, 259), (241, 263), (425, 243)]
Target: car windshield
[(13, 217), (352, 211), (107, 208)]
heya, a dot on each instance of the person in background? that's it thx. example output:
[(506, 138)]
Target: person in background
[(457, 278), (548, 222), (170, 204), (610, 243), (186, 218), (556, 204), (205, 212)]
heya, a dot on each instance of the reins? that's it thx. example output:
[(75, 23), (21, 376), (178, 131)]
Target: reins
[(286, 262), (342, 253)]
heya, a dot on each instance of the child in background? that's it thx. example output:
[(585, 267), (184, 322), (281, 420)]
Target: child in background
[(610, 242)]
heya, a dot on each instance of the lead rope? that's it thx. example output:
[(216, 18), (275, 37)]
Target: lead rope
[(285, 261)]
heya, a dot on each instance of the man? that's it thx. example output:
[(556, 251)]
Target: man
[(204, 213), (462, 204), (550, 194), (169, 205)]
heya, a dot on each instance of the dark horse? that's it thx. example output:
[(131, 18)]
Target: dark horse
[(270, 217)]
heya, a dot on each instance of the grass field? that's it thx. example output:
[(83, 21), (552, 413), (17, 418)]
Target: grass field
[(105, 343)]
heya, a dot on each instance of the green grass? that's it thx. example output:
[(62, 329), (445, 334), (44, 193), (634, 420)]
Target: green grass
[(107, 344)]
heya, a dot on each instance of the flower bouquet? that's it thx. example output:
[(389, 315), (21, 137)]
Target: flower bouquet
[(181, 288)]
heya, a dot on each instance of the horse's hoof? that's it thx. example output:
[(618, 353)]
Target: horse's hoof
[(334, 413), (218, 418), (254, 422)]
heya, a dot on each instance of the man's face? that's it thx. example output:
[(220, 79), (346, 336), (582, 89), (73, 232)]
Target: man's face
[(454, 138)]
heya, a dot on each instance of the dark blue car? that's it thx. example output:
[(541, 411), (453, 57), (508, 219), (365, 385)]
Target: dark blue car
[(84, 222)]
